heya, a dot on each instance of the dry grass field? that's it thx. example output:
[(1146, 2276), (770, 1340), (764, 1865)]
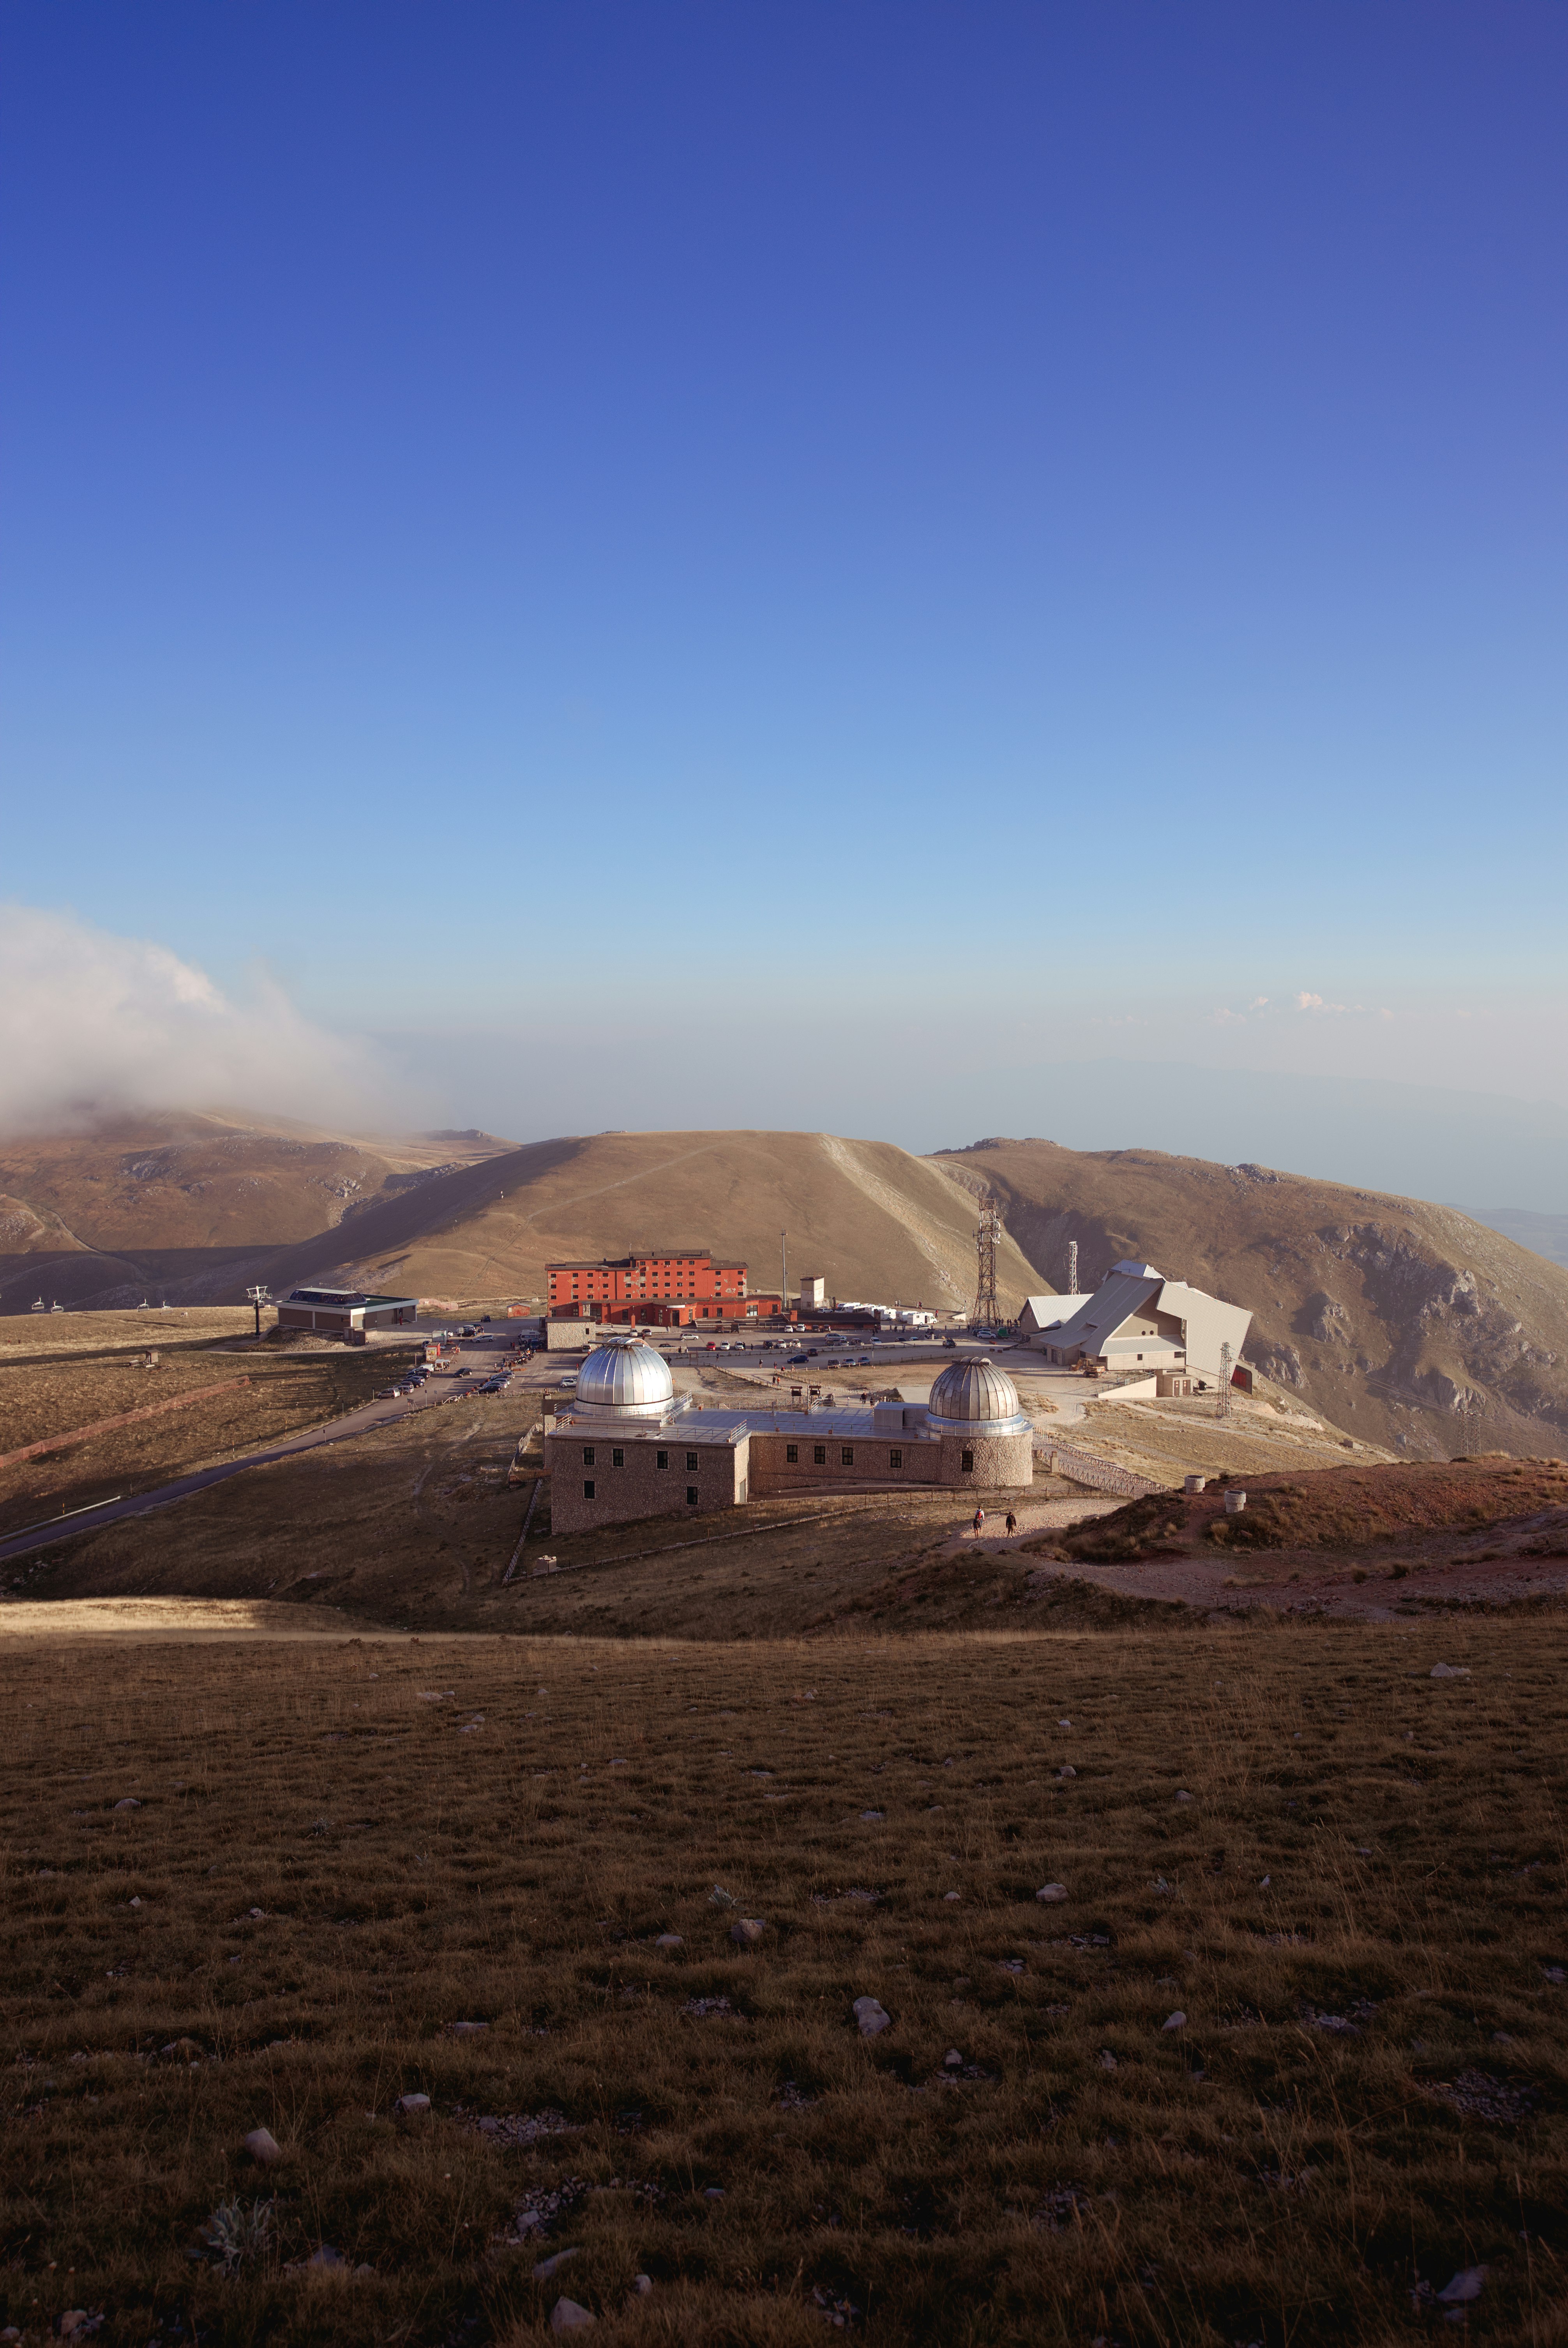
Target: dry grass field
[(75, 1370), (283, 1889)]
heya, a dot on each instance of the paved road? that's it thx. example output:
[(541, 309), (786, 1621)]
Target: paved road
[(479, 1362)]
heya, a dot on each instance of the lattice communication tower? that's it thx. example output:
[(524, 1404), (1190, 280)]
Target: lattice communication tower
[(986, 1313)]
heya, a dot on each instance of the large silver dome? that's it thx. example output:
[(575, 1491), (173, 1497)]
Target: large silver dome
[(625, 1375), (972, 1395)]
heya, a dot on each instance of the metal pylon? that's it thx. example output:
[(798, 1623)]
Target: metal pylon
[(986, 1313)]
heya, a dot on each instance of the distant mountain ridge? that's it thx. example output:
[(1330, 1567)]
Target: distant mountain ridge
[(1413, 1325)]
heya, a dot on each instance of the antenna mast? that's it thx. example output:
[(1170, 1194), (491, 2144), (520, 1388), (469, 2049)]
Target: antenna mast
[(1073, 1267), (986, 1313)]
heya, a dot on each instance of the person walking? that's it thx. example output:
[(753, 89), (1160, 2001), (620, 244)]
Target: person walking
[(979, 1522), (1013, 1524)]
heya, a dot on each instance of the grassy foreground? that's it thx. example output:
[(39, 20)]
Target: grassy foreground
[(1346, 1875)]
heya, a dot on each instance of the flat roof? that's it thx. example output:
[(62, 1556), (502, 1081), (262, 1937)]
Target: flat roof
[(726, 1426), (354, 1297)]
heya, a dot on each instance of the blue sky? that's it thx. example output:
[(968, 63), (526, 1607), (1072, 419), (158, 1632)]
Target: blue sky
[(1066, 503)]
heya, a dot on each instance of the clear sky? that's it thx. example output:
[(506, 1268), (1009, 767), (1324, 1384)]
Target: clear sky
[(910, 538)]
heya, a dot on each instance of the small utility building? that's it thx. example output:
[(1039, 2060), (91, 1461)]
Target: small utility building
[(345, 1313), (1139, 1321)]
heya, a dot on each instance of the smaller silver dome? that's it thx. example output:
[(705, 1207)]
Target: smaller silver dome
[(973, 1394), (627, 1377)]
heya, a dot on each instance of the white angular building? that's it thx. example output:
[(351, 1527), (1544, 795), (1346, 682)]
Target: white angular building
[(1139, 1321)]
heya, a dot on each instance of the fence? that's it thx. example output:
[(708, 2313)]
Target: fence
[(1101, 1474)]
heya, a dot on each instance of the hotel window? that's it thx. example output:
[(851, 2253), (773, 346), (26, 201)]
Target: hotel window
[(846, 1455), (587, 1455), (819, 1457), (618, 1458), (587, 1488), (691, 1496), (792, 1455), (690, 1461), (895, 1457), (664, 1459), (966, 1465)]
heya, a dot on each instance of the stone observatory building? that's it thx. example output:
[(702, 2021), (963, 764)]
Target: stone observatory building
[(631, 1447)]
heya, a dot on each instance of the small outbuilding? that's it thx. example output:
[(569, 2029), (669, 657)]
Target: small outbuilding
[(1140, 1322), (345, 1313)]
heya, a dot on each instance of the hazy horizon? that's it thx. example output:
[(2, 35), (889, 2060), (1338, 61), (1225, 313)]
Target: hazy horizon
[(842, 568)]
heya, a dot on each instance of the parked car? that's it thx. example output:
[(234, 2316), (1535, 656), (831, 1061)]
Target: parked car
[(864, 1362), (797, 1361)]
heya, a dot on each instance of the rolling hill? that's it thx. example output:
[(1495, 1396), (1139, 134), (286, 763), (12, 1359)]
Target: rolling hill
[(168, 1198)]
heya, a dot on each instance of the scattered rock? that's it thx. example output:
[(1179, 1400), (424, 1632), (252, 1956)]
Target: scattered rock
[(548, 2267), (566, 2315), (129, 1803), (1066, 1770), (1107, 2060), (466, 2029), (642, 2284), (76, 2324), (257, 1915), (669, 1941), (409, 2107), (870, 1818), (719, 1898), (263, 2146), (712, 2193), (747, 1931), (1183, 1796), (326, 2259), (1438, 1672), (1051, 1892), (1177, 2021), (1467, 2285), (1064, 1724), (952, 1895), (872, 2017), (952, 2060), (136, 1902)]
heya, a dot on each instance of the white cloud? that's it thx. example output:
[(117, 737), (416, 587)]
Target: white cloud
[(1309, 1003), (94, 1026), (1258, 1002)]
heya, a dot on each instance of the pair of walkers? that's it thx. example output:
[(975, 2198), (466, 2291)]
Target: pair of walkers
[(980, 1523)]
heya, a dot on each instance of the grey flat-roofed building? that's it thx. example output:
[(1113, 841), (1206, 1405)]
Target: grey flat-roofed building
[(344, 1312)]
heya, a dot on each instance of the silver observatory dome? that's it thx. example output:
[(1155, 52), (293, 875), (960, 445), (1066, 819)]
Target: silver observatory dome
[(975, 1397), (627, 1377)]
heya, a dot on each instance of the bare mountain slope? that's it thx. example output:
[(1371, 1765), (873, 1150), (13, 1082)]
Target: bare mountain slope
[(872, 1219), (172, 1197), (1410, 1325)]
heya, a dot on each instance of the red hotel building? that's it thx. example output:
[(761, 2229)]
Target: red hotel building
[(663, 1291)]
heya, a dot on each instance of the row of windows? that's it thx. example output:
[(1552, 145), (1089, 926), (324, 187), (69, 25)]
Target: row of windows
[(618, 1458), (847, 1455)]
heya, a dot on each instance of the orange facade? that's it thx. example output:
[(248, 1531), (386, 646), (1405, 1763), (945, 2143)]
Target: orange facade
[(672, 1288)]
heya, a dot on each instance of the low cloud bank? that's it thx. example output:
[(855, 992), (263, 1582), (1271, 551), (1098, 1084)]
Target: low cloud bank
[(94, 1026)]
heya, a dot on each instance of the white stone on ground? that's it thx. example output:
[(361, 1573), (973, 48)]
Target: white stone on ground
[(263, 2146), (567, 2315), (872, 2017), (1177, 2021), (1049, 1892)]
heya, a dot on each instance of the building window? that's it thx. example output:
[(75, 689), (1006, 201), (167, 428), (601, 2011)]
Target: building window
[(690, 1461), (846, 1455), (618, 1458), (966, 1465), (792, 1455), (664, 1459), (587, 1488), (587, 1455), (819, 1456), (691, 1496), (895, 1457)]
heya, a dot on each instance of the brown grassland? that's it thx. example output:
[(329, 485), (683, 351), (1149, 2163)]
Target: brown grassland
[(59, 1375), (1347, 1876)]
